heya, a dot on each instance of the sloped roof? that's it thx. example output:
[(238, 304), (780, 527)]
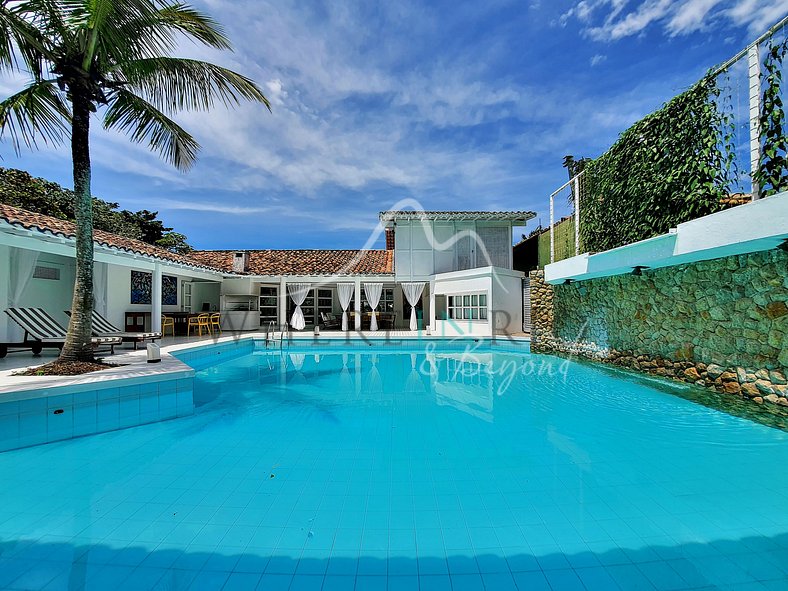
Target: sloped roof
[(496, 216), (37, 222), (303, 262)]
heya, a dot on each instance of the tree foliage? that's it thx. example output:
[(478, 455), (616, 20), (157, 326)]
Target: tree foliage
[(671, 166), (20, 189), (772, 173)]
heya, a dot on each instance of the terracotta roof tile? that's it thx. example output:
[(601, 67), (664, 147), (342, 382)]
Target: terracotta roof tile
[(43, 223), (303, 262), (517, 217), (261, 262)]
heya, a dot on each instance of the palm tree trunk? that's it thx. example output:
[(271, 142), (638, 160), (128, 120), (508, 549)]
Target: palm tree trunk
[(78, 341)]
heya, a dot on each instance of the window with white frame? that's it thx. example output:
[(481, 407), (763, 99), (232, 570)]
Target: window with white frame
[(467, 306)]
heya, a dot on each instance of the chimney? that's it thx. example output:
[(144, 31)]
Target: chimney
[(390, 238), (240, 262)]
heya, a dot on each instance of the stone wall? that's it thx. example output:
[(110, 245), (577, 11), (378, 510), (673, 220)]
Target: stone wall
[(541, 312), (722, 323)]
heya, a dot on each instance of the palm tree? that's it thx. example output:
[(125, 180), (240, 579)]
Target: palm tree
[(112, 58)]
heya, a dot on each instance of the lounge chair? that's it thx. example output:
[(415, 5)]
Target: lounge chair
[(43, 331), (104, 328), (329, 320)]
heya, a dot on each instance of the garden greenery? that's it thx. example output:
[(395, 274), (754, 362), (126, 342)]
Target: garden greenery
[(672, 166), (772, 173)]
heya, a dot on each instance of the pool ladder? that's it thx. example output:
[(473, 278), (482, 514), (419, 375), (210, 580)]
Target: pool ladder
[(270, 334)]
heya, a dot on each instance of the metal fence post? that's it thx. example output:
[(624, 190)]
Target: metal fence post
[(754, 74), (552, 230), (577, 214)]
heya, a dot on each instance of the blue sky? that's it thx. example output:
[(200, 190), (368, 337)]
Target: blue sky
[(459, 105)]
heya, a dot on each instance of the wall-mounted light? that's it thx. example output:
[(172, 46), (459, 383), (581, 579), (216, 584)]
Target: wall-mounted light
[(638, 270), (567, 282)]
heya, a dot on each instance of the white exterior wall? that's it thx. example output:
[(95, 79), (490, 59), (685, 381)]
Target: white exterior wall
[(463, 285), (119, 293), (54, 296), (504, 301), (204, 292), (5, 280), (507, 289)]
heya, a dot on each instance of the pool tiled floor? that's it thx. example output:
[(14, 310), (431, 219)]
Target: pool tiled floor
[(361, 471)]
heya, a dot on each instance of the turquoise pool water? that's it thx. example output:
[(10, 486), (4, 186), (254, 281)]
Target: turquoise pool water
[(363, 469)]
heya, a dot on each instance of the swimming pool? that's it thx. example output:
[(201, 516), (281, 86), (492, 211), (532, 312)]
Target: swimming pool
[(409, 467)]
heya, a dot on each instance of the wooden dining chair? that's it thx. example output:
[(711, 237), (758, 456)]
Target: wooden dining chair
[(216, 320), (198, 323), (167, 322)]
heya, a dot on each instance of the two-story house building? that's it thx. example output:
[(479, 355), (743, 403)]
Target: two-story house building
[(464, 261)]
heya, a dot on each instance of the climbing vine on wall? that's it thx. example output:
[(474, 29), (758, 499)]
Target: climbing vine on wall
[(672, 166), (772, 173)]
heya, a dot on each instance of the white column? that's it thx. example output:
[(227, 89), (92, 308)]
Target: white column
[(357, 379), (155, 296), (432, 324), (754, 74), (5, 281), (282, 302), (357, 303)]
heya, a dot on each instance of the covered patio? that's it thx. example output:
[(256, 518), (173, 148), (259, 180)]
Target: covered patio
[(134, 282)]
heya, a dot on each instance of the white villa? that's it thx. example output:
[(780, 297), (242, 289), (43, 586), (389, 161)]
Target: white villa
[(447, 272)]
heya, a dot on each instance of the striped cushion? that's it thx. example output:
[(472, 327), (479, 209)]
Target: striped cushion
[(101, 325), (37, 323)]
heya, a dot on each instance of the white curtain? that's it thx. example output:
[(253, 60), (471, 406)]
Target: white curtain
[(372, 292), (298, 293), (298, 360), (412, 293), (413, 382), (373, 381), (100, 288), (345, 292), (23, 263), (345, 379)]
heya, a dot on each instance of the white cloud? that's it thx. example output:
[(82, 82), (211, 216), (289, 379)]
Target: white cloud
[(757, 15), (631, 23), (315, 136), (691, 16), (607, 20), (597, 59)]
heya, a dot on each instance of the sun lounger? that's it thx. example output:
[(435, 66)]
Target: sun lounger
[(329, 320), (43, 331), (104, 328)]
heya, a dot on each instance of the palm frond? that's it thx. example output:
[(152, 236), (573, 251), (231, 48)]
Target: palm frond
[(142, 122), (21, 43), (185, 19), (36, 112), (48, 19), (123, 30), (175, 84)]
